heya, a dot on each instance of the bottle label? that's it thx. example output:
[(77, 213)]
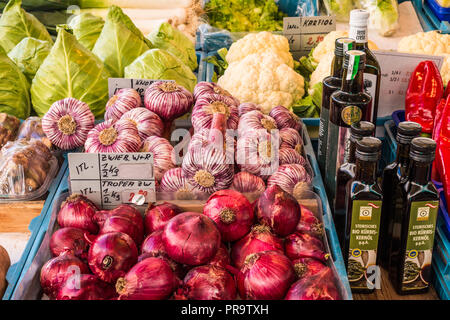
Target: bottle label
[(364, 233), (358, 33), (353, 65), (323, 136), (419, 245), (370, 87)]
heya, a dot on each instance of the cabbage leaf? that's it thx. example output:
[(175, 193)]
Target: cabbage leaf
[(87, 28)]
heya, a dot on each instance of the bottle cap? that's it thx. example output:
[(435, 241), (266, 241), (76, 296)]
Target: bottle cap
[(343, 45), (368, 149), (408, 130), (361, 129), (422, 149), (353, 56), (359, 17)]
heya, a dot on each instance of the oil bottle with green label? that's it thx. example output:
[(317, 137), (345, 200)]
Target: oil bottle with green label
[(363, 214), (394, 175), (330, 85), (411, 246), (350, 104)]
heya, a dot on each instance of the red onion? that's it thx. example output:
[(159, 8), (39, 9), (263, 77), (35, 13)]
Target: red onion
[(302, 245), (256, 120), (265, 276), (58, 270), (87, 287), (125, 210), (118, 137), (290, 156), (69, 239), (232, 213), (279, 210), (222, 258), (292, 178), (207, 283), (67, 123), (258, 240), (111, 255), (248, 107), (285, 118), (290, 138), (123, 101), (206, 88), (156, 217), (163, 155), (207, 105), (175, 186), (309, 223), (246, 182), (191, 238), (150, 279), (318, 287), (147, 123), (77, 212), (308, 267), (122, 223)]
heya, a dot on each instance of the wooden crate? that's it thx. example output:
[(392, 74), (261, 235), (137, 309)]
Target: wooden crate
[(16, 216)]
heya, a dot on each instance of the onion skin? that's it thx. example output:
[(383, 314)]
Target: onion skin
[(111, 255), (123, 101), (222, 258), (256, 120), (67, 123), (285, 118), (156, 217), (206, 88), (318, 287), (191, 238), (91, 288), (248, 107), (147, 122), (302, 245), (58, 270), (308, 267), (292, 178), (77, 212), (207, 283), (245, 182), (163, 155), (259, 239), (265, 276), (310, 224), (69, 239), (150, 279), (175, 186), (207, 105), (279, 210)]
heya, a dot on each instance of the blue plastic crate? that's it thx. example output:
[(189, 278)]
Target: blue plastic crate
[(428, 19), (441, 282), (441, 13), (442, 247), (443, 212)]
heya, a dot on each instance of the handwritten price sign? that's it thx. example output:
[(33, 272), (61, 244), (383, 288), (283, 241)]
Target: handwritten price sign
[(140, 85)]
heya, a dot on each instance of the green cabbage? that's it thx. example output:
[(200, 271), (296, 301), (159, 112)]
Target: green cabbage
[(70, 70), (173, 40), (16, 24), (29, 55), (14, 88), (87, 28), (120, 42), (45, 4), (160, 64)]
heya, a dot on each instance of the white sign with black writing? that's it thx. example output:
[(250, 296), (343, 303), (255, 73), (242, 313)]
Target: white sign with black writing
[(140, 85), (304, 33), (396, 70), (111, 179)]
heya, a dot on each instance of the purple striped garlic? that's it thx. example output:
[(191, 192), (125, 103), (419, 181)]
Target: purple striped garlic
[(256, 120), (207, 105), (67, 123), (292, 178), (163, 155), (290, 138), (290, 156), (245, 182), (175, 186), (285, 118), (123, 101), (247, 107), (147, 122), (113, 137), (201, 140), (205, 88)]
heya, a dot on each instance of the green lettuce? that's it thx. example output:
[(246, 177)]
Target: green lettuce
[(385, 17), (161, 64), (173, 40), (305, 66), (87, 28), (14, 88), (219, 61), (340, 8), (120, 42), (29, 55), (70, 70), (16, 24)]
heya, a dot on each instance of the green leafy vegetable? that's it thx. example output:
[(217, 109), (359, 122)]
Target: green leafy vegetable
[(306, 108), (45, 4), (14, 89), (16, 24), (340, 8), (29, 55), (70, 70), (120, 42), (87, 28), (385, 17), (245, 15), (160, 64), (317, 95), (173, 40), (306, 66), (219, 61)]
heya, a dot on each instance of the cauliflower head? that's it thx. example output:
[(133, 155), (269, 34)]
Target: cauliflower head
[(260, 42), (264, 79)]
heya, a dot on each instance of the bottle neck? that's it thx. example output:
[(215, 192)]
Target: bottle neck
[(355, 85), (366, 171), (338, 63), (360, 34), (420, 172), (403, 154), (352, 152)]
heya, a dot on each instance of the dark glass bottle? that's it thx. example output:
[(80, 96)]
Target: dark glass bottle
[(350, 104), (415, 222), (363, 211), (330, 85), (346, 171), (372, 71), (394, 175)]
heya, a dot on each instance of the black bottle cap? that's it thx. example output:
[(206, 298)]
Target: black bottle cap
[(408, 130), (368, 149), (361, 129), (353, 55), (422, 149), (342, 45)]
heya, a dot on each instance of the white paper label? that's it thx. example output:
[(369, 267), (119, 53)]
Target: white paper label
[(140, 85), (111, 179)]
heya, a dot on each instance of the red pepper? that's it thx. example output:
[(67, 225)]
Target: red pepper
[(425, 89), (436, 136), (447, 90), (442, 162)]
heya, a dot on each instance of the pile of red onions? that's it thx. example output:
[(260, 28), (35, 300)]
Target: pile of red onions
[(87, 287), (320, 286), (77, 212), (156, 217), (69, 239)]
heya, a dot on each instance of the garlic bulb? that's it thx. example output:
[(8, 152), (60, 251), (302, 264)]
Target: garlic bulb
[(285, 118), (118, 137), (147, 122), (201, 140), (124, 100), (292, 178), (206, 88), (247, 107), (245, 182), (175, 186), (163, 155), (256, 120), (290, 138), (67, 123), (290, 156)]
